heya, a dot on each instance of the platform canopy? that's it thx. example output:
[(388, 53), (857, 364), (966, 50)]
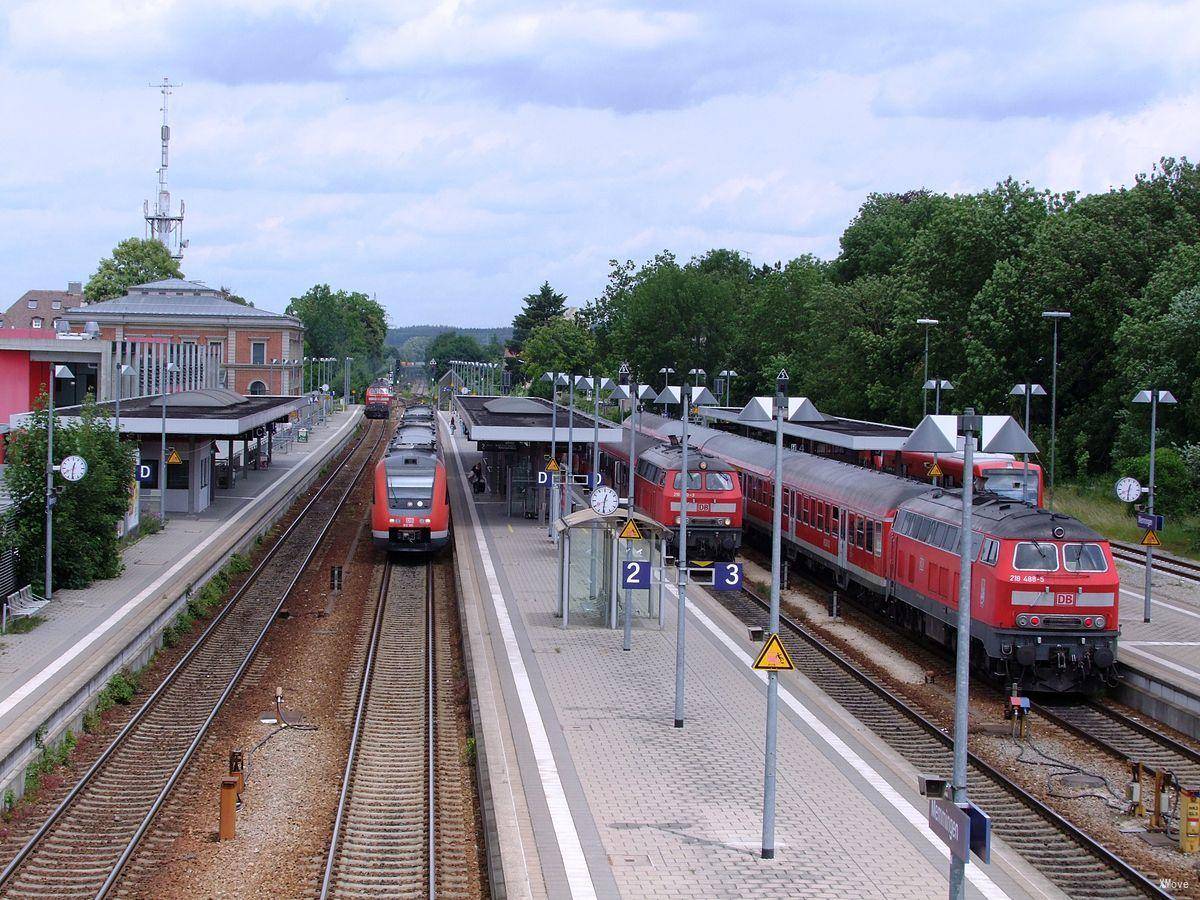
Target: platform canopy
[(528, 420), (813, 425)]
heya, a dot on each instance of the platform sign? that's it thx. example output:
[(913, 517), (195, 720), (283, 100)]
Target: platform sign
[(543, 478), (630, 532), (981, 831), (1150, 539), (1150, 521), (553, 466), (774, 657), (727, 577), (635, 575), (302, 436), (952, 825), (935, 471), (173, 457), (144, 473)]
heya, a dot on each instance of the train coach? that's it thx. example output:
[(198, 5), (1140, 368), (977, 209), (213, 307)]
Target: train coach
[(410, 510), (378, 401), (714, 495), (1044, 587), (997, 473)]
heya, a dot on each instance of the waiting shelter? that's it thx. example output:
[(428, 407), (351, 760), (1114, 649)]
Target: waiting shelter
[(591, 551)]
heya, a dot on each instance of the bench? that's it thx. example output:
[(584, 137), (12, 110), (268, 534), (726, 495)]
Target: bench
[(19, 604)]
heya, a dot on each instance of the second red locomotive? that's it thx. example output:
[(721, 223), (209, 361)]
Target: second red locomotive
[(410, 512)]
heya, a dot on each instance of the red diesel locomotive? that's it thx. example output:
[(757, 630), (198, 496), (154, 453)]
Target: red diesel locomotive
[(714, 495), (1044, 586), (410, 512), (997, 473), (378, 402)]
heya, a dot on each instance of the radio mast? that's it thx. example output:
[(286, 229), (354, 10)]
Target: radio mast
[(161, 224)]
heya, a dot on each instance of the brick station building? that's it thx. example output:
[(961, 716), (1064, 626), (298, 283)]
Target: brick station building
[(260, 352)]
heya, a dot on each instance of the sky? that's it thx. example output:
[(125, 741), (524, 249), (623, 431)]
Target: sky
[(449, 157)]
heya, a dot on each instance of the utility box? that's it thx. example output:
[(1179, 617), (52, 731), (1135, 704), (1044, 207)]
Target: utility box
[(1189, 821)]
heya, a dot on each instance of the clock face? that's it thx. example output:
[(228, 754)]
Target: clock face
[(605, 501), (1128, 489), (73, 468)]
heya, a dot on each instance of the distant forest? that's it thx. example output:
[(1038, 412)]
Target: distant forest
[(411, 340)]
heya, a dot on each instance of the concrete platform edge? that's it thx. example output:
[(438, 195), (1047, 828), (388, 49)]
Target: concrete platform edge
[(64, 705), (1150, 689)]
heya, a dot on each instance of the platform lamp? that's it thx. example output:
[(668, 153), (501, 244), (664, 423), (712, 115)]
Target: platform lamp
[(939, 434), (275, 367), (124, 370), (726, 376), (1028, 390), (1054, 316), (170, 369), (56, 372), (666, 372), (928, 323), (1154, 397)]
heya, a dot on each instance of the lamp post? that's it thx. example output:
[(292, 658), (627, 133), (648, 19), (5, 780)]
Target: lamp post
[(727, 376), (51, 499), (1028, 390), (1055, 316), (162, 459), (552, 507), (697, 376), (629, 388), (665, 372), (568, 500), (768, 833), (1153, 397), (681, 562), (937, 385), (123, 371), (928, 323), (346, 380)]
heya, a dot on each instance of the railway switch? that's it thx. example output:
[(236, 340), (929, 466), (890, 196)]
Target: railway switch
[(1189, 821)]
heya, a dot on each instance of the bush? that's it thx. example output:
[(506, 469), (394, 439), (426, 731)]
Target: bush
[(121, 688), (148, 523), (1176, 485)]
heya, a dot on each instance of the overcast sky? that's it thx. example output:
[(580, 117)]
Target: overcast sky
[(450, 156)]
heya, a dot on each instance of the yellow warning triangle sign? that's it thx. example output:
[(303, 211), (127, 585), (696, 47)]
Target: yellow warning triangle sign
[(935, 471), (173, 457), (1150, 539), (630, 532), (552, 466), (774, 658)]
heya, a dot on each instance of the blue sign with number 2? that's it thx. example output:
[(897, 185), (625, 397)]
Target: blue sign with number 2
[(727, 577), (635, 575)]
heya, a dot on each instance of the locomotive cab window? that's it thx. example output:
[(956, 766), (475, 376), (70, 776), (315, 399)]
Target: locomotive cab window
[(991, 551), (1084, 558), (718, 481), (410, 490), (1035, 556), (694, 482)]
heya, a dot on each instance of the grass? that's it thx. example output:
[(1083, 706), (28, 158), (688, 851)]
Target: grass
[(24, 624), (1095, 505)]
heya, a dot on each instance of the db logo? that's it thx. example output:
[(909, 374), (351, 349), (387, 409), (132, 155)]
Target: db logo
[(1064, 599)]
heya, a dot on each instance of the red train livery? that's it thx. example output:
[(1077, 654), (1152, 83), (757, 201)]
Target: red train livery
[(1044, 587), (410, 512), (998, 473), (378, 402), (714, 495)]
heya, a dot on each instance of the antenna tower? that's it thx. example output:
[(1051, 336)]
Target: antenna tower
[(161, 224)]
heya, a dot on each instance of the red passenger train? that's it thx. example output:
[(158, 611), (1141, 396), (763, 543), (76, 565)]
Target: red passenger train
[(378, 401), (998, 473), (410, 512), (1044, 588)]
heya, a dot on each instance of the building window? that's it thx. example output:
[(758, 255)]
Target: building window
[(56, 304), (177, 476), (258, 353), (55, 323), (37, 322), (257, 388), (32, 304)]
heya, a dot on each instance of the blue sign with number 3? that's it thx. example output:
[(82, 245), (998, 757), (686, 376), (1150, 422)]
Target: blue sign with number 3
[(727, 577), (635, 575)]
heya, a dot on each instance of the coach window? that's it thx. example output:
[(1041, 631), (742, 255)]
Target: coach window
[(820, 516), (1034, 556), (879, 539), (870, 536), (1084, 558), (940, 530), (834, 519)]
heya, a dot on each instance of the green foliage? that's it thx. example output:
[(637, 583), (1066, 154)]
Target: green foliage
[(148, 523), (461, 346), (229, 295), (133, 261), (561, 345), (87, 511), (540, 309), (24, 624), (340, 323), (1176, 484), (121, 688)]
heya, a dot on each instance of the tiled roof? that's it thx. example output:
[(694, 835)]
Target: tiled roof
[(19, 315), (170, 285), (175, 297)]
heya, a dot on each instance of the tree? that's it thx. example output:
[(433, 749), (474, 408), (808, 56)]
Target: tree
[(133, 261), (561, 345), (87, 511), (228, 294), (454, 345), (340, 324), (540, 308)]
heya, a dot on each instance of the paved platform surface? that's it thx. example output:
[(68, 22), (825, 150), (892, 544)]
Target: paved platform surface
[(1168, 646), (81, 625), (594, 793)]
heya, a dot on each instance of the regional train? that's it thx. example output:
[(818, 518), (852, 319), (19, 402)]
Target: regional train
[(410, 509), (378, 401), (997, 473), (1044, 586)]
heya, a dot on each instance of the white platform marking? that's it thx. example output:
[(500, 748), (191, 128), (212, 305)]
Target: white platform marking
[(1141, 598), (1183, 670), (579, 879)]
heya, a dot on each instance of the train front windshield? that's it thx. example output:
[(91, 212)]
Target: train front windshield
[(411, 490), (1011, 483)]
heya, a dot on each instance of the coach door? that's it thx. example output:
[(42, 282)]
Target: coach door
[(843, 530)]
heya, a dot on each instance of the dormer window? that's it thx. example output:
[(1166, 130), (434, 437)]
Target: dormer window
[(56, 304), (32, 304), (37, 321)]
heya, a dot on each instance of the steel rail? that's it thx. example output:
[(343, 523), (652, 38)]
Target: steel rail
[(1086, 842), (1134, 555), (172, 676), (431, 740)]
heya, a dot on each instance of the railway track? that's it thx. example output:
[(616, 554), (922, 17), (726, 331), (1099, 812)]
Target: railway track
[(1180, 568), (385, 826), (83, 847), (1068, 857)]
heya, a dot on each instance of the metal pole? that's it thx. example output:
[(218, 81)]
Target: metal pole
[(568, 500), (924, 391), (768, 832), (50, 485), (162, 448), (595, 470), (633, 391), (1025, 456), (1150, 500), (682, 572), (937, 397), (963, 655), (552, 512), (1053, 413)]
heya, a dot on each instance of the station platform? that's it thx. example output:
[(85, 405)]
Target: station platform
[(49, 675), (588, 790), (1160, 659)]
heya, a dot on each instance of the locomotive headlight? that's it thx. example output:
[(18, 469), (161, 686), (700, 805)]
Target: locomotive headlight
[(1099, 621), (728, 522), (420, 503), (1022, 620)]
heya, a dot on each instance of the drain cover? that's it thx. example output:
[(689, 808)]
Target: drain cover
[(1081, 780)]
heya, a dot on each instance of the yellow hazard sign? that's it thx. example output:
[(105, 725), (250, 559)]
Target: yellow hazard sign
[(630, 532), (935, 471), (774, 658), (552, 466), (1150, 539), (173, 457)]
